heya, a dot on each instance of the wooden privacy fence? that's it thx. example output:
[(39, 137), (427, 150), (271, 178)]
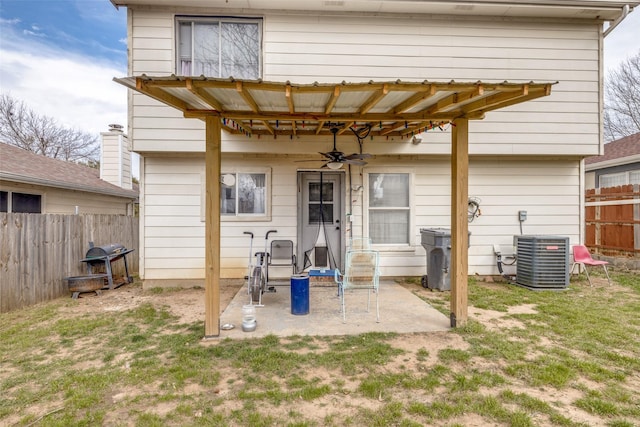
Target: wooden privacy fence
[(37, 252), (613, 220)]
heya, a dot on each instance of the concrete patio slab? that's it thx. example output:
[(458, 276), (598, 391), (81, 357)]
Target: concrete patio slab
[(400, 311)]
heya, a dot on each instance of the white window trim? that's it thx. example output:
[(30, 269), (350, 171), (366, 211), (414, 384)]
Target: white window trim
[(237, 19), (410, 246), (242, 217), (30, 192)]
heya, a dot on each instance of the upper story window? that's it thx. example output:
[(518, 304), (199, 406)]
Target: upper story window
[(219, 47)]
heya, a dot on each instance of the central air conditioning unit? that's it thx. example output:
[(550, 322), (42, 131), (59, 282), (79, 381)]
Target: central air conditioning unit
[(543, 262)]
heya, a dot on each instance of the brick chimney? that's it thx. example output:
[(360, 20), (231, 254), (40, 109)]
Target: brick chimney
[(115, 157)]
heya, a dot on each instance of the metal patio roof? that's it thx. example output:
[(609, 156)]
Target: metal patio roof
[(398, 108), (383, 108)]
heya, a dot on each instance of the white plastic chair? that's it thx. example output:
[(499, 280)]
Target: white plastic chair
[(361, 272), (359, 243)]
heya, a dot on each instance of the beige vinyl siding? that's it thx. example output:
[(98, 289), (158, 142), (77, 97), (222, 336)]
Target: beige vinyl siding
[(115, 160), (547, 189), (174, 233), (173, 228), (61, 201), (308, 48)]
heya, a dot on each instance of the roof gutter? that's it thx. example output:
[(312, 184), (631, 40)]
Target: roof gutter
[(613, 162), (47, 183), (614, 24)]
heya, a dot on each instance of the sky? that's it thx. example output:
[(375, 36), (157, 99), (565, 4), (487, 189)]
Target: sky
[(59, 57)]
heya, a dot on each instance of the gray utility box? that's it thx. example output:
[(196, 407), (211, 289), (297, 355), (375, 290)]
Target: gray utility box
[(437, 243)]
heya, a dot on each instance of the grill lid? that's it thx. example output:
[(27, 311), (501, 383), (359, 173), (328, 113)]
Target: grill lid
[(105, 250)]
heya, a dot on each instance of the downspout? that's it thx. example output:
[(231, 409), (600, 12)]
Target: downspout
[(614, 24)]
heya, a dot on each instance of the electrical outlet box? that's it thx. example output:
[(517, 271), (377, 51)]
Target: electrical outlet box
[(522, 216)]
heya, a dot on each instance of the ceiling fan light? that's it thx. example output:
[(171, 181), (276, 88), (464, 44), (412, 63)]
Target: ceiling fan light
[(334, 165)]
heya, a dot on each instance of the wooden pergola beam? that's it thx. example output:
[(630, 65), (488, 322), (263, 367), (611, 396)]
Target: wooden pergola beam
[(213, 157), (455, 102), (459, 268)]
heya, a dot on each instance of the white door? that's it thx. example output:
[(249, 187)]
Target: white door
[(320, 220)]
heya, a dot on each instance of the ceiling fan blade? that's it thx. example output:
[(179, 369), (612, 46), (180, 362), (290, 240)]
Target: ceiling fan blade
[(334, 156), (358, 156), (309, 160), (354, 162)]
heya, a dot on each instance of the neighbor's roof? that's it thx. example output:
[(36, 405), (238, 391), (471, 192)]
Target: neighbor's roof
[(395, 108), (620, 152), (20, 165), (574, 9)]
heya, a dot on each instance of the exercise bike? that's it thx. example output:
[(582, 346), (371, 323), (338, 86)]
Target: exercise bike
[(257, 275)]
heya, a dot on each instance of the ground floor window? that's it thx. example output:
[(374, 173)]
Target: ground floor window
[(621, 178), (20, 202), (389, 208), (245, 194)]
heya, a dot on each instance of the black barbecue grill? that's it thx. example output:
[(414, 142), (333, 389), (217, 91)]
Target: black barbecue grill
[(104, 256)]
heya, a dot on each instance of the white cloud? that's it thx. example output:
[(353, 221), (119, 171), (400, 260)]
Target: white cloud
[(13, 21), (75, 90)]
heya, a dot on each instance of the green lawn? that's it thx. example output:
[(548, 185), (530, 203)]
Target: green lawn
[(571, 359)]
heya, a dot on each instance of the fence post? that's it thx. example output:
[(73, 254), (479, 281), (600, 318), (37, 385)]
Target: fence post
[(596, 236), (636, 218)]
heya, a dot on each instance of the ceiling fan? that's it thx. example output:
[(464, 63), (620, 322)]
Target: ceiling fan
[(335, 159)]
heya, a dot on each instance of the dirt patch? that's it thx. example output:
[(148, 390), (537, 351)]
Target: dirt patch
[(186, 304)]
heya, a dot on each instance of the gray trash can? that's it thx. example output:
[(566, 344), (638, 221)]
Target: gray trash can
[(437, 243)]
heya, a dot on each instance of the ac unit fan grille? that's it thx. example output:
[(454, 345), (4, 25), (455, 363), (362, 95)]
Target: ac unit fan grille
[(543, 262)]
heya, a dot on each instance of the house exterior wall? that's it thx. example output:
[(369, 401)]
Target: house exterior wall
[(61, 201), (333, 48), (549, 190), (526, 157)]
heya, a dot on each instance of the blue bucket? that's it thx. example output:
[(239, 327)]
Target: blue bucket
[(300, 294)]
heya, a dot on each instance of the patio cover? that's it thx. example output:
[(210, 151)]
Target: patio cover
[(255, 107)]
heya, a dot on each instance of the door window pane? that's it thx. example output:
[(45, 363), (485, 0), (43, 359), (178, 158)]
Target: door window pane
[(316, 191), (4, 201), (327, 192), (314, 213)]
